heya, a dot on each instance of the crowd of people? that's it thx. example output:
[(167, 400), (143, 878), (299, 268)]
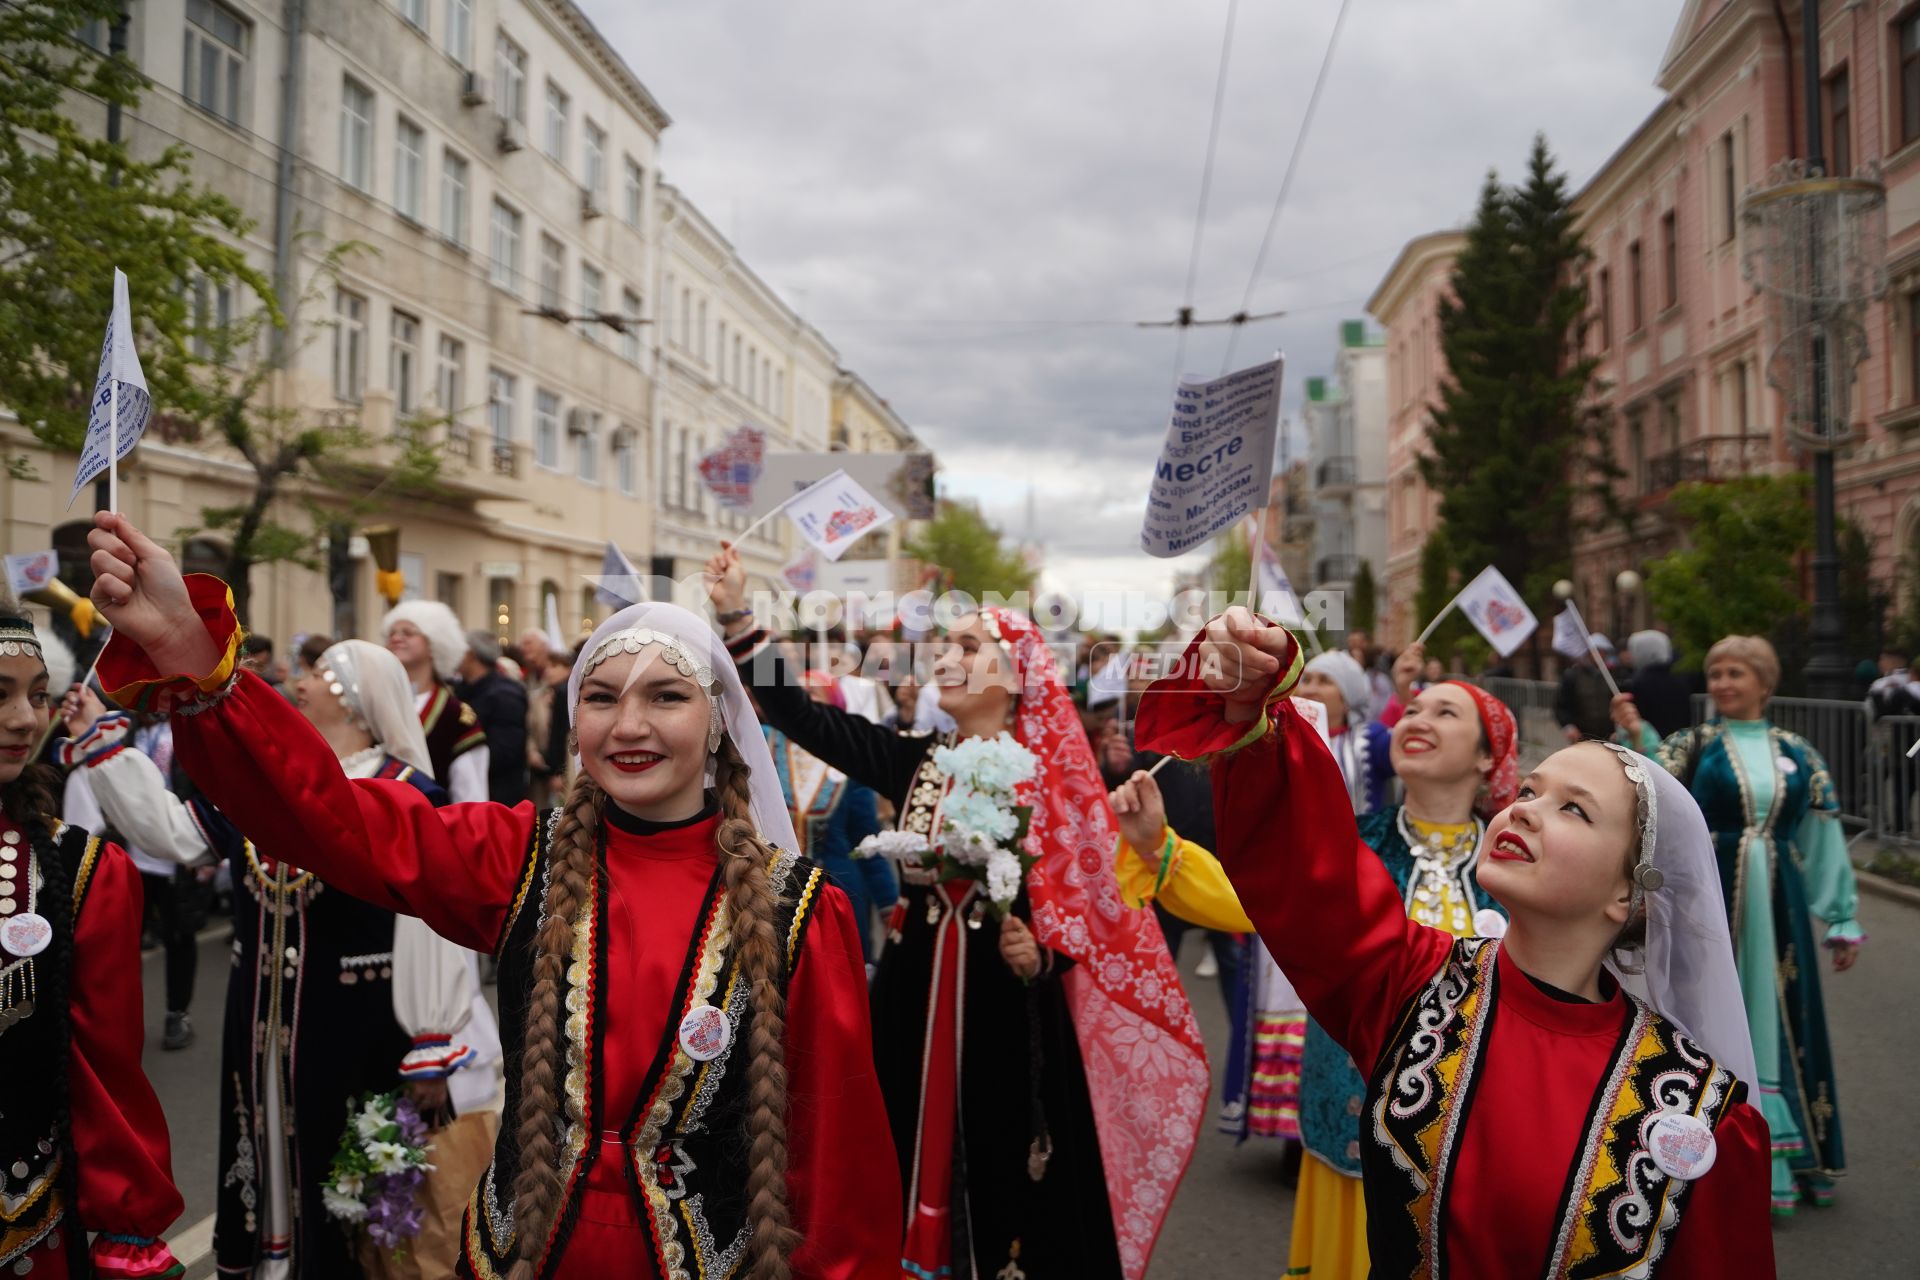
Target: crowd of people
[(607, 926)]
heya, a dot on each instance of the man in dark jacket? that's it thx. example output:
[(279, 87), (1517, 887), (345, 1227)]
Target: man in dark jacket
[(501, 704), (1583, 706), (1664, 698)]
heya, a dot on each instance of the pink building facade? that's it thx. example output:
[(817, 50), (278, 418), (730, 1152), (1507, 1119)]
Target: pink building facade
[(1682, 338)]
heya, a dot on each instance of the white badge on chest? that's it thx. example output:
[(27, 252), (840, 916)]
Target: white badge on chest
[(705, 1032), (26, 934), (1682, 1145)]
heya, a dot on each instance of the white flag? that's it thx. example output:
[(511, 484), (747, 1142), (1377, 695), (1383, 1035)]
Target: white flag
[(1570, 633), (1217, 462), (836, 513), (618, 584), (120, 381), (556, 635), (1496, 609), (32, 570), (1277, 600), (1109, 683)]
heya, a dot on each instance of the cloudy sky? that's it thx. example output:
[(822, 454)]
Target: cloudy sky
[(975, 201)]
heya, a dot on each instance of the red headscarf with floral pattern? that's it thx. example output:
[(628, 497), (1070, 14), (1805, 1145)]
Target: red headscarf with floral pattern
[(1503, 743)]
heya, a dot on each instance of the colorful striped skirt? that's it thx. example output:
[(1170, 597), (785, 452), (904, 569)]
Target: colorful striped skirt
[(1273, 1104)]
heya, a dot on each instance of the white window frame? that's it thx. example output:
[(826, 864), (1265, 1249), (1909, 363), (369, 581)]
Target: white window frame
[(357, 107), (553, 272), (509, 78), (586, 452), (554, 136), (403, 362), (459, 44), (503, 247), (206, 51), (626, 470), (547, 426), (414, 12), (409, 169), (593, 298), (349, 346), (593, 160), (501, 392), (633, 209), (453, 196), (630, 305), (212, 311), (449, 379)]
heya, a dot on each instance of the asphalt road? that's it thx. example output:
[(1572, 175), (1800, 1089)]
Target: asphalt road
[(1231, 1218)]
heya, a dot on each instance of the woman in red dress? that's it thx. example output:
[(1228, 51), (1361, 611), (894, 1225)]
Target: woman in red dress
[(83, 1142), (690, 1085), (1525, 1115)]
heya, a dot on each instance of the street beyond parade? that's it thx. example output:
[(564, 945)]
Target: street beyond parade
[(1018, 643)]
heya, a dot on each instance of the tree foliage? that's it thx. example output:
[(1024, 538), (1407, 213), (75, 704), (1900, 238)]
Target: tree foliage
[(1365, 604), (74, 206), (1514, 411), (1739, 570), (969, 553)]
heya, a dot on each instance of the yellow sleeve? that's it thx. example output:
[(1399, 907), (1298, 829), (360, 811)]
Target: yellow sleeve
[(1189, 882)]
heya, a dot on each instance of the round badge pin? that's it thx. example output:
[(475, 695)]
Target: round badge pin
[(26, 934), (1788, 766), (1488, 923), (1682, 1145), (705, 1032)]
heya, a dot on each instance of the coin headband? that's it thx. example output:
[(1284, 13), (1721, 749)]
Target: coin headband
[(674, 652)]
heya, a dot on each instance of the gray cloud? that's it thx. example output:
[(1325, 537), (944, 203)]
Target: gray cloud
[(975, 201)]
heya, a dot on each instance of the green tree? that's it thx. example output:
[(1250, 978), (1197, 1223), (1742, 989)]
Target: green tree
[(1437, 586), (1364, 606), (1513, 412), (1738, 572), (969, 552), (1230, 569), (1863, 604), (74, 206)]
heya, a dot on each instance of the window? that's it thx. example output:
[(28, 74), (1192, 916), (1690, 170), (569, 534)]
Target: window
[(624, 470), (500, 390), (450, 380), (1606, 309), (1729, 189), (722, 343), (356, 134), (415, 11), (509, 78), (1636, 291), (349, 346), (592, 286), (403, 363), (556, 122), (1670, 258), (460, 31), (1741, 406), (506, 247), (1839, 124), (546, 430), (453, 197), (632, 205), (1913, 348), (780, 390), (586, 450), (593, 160), (1910, 77), (212, 313), (553, 263), (446, 589), (735, 380), (409, 168), (1637, 453), (680, 472), (216, 58), (1670, 423), (630, 337)]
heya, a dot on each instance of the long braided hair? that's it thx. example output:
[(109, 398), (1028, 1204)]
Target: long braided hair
[(752, 903)]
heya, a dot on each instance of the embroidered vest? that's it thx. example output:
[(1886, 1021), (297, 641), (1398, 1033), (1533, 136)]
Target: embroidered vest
[(1621, 1209), (685, 1144), (33, 1152), (452, 729)]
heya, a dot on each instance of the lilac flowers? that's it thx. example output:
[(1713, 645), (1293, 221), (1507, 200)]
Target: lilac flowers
[(376, 1174)]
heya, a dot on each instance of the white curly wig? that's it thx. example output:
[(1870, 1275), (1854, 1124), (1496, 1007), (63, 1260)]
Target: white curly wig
[(445, 637)]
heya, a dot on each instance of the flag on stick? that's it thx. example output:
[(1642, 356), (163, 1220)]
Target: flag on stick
[(121, 403)]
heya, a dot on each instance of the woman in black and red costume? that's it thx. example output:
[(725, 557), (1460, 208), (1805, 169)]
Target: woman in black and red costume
[(690, 1083), (1525, 1116)]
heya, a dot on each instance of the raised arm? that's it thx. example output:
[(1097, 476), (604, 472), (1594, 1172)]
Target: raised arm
[(132, 795), (1321, 900)]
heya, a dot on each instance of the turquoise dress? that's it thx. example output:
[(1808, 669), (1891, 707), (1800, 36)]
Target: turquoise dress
[(1770, 803)]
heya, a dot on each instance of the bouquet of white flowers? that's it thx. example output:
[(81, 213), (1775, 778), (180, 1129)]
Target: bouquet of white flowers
[(378, 1168), (983, 831)]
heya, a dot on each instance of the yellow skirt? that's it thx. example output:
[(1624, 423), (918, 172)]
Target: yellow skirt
[(1329, 1225)]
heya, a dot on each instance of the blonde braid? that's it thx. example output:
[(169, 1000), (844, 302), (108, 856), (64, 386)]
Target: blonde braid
[(536, 1186), (752, 903)]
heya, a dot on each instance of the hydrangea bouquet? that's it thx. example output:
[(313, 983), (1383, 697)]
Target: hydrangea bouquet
[(376, 1174), (983, 831)]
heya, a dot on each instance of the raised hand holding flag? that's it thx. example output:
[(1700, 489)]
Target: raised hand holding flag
[(121, 402)]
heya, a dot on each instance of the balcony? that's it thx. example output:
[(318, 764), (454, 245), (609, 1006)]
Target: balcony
[(1338, 472), (1710, 458), (1336, 569)]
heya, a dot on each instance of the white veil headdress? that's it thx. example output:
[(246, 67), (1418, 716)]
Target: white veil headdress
[(373, 686), (691, 645), (1689, 976)]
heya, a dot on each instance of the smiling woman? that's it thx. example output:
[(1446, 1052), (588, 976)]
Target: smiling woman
[(84, 1149), (1527, 1102), (682, 998)]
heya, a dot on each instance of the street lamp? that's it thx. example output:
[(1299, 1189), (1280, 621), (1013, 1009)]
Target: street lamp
[(1817, 249), (1626, 588), (1563, 590)]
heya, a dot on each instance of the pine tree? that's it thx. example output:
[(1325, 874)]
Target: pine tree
[(1361, 610), (1505, 440)]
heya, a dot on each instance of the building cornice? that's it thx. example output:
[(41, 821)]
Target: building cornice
[(573, 22), (1409, 269), (1644, 146)]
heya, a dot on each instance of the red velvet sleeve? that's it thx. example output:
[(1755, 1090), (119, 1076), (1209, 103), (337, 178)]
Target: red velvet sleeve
[(1322, 902), (459, 868), (842, 1178), (1726, 1229), (120, 1143)]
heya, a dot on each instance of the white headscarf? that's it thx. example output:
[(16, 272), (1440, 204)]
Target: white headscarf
[(644, 626), (1690, 977), (58, 659), (373, 686), (1351, 677)]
